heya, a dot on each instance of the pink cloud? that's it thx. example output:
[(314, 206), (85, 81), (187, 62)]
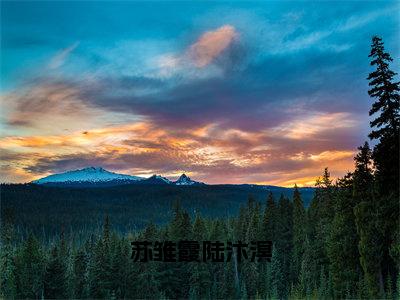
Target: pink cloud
[(59, 59), (211, 44)]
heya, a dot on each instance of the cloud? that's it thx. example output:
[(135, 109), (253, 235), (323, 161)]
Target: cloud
[(208, 153), (59, 59), (211, 44), (209, 56), (44, 102)]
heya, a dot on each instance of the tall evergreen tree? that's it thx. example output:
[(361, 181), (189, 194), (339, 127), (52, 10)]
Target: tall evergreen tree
[(299, 233), (387, 124), (343, 241), (306, 283), (370, 247), (385, 129), (320, 216), (269, 221), (366, 213)]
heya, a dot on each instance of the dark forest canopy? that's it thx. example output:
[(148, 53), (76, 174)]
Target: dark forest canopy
[(45, 209)]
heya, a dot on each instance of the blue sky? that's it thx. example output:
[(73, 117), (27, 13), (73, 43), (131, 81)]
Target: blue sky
[(264, 92)]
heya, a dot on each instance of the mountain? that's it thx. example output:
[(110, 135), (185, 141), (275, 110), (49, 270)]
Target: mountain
[(185, 180), (90, 175), (99, 177), (96, 176), (156, 180)]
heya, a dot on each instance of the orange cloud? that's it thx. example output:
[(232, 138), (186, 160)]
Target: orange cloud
[(313, 124), (333, 155), (209, 153)]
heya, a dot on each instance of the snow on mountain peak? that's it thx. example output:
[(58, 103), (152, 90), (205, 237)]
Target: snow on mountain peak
[(185, 180), (90, 174)]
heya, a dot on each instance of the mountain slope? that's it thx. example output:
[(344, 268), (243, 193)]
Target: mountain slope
[(155, 179)]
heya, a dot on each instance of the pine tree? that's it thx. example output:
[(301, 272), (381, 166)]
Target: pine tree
[(284, 239), (253, 230), (199, 229), (80, 265), (299, 233), (180, 226), (385, 129), (278, 276), (366, 213), (370, 247), (30, 267), (100, 267), (306, 278), (270, 219), (363, 180), (343, 240), (7, 265), (320, 216), (55, 284), (387, 123)]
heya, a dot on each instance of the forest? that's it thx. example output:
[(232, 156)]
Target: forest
[(345, 244), (44, 210)]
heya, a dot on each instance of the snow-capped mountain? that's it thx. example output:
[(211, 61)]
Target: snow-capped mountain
[(97, 176), (87, 175), (185, 180)]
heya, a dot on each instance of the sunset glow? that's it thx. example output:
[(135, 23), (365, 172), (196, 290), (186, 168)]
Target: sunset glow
[(229, 95)]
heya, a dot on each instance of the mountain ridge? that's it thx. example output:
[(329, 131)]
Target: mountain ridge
[(98, 176)]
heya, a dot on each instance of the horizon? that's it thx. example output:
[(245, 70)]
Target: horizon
[(172, 179), (240, 93)]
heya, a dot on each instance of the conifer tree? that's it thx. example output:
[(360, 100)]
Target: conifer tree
[(370, 247), (320, 215), (55, 285), (306, 279), (387, 124), (366, 214), (299, 233), (30, 268), (385, 129), (342, 244), (270, 218), (278, 276), (7, 252), (80, 283)]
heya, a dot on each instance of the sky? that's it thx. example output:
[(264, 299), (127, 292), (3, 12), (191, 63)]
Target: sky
[(226, 92)]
